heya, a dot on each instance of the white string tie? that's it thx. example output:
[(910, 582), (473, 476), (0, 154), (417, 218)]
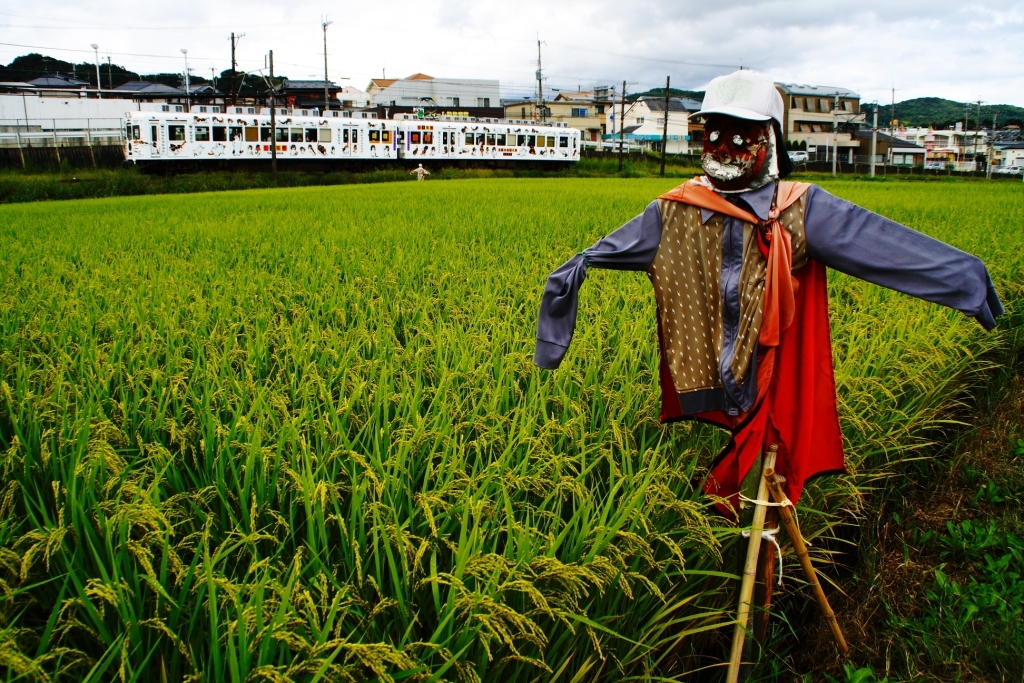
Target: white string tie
[(786, 502), (769, 535)]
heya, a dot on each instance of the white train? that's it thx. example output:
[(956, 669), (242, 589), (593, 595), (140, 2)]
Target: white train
[(156, 139)]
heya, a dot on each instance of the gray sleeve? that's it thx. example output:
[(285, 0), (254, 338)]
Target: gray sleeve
[(865, 245), (631, 247)]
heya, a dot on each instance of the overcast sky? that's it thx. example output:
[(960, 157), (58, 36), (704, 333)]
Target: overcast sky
[(957, 50)]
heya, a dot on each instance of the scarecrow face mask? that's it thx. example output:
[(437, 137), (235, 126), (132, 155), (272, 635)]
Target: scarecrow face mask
[(734, 151)]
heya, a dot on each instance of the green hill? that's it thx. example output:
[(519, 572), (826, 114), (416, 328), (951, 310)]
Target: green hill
[(942, 113)]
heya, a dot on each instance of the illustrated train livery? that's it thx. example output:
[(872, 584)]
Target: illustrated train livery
[(168, 138)]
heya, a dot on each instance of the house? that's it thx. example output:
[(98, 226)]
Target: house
[(811, 114), (645, 123), (58, 82), (309, 94), (581, 110), (445, 96), (148, 92), (1011, 154)]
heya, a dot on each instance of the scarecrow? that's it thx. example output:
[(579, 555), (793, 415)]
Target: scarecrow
[(737, 259)]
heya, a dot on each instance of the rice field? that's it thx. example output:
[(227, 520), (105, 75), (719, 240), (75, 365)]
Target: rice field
[(297, 434)]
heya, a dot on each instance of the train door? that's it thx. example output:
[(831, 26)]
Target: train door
[(349, 142)]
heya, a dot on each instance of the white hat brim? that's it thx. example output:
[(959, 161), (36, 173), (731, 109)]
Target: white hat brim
[(737, 112)]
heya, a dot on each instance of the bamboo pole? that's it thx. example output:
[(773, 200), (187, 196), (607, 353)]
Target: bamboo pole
[(775, 487), (750, 571)]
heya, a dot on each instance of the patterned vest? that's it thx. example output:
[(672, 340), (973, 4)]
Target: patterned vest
[(687, 276)]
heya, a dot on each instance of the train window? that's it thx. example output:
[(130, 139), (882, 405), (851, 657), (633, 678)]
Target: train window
[(325, 135), (136, 134), (531, 140), (355, 136), (202, 133), (444, 137), (296, 135), (344, 135), (235, 133), (220, 134), (128, 131), (563, 141), (501, 139), (176, 133), (520, 140), (311, 135), (281, 135), (152, 131), (374, 136), (551, 141), (428, 138), (414, 137), (386, 137)]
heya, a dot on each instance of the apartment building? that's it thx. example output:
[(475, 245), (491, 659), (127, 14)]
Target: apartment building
[(810, 113), (446, 94), (582, 110)]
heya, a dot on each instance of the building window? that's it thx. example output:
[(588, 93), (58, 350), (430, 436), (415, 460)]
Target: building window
[(523, 115), (794, 102), (453, 101), (639, 120), (661, 120), (579, 112), (481, 102)]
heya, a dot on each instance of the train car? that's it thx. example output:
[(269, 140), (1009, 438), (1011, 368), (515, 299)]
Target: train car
[(452, 139), (197, 140), (156, 138)]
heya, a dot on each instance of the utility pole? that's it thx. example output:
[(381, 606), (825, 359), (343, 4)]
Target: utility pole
[(110, 74), (991, 143), (234, 73), (99, 86), (664, 130), (976, 133), (622, 124), (874, 139), (835, 135), (273, 121), (893, 119), (327, 95), (540, 86), (188, 89)]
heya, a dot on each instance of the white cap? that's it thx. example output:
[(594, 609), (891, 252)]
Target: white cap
[(744, 94)]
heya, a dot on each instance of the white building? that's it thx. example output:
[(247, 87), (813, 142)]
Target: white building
[(423, 90), (953, 146), (353, 98), (645, 122)]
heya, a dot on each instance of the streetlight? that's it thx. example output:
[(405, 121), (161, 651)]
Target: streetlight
[(96, 49), (188, 101)]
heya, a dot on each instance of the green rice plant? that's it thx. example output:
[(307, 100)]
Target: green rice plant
[(297, 434)]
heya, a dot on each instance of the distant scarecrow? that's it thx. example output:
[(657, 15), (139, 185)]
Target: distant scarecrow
[(737, 260), (419, 172)]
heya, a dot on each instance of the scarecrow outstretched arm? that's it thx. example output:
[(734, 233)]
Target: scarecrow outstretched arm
[(865, 245), (631, 247)]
